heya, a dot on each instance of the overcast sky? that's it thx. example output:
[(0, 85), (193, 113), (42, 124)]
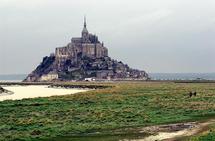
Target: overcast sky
[(153, 35)]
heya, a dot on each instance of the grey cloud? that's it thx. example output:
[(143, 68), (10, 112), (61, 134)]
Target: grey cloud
[(155, 35)]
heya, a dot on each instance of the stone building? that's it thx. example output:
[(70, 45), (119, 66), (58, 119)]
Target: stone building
[(87, 45), (49, 77)]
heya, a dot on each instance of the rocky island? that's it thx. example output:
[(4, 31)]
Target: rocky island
[(84, 58)]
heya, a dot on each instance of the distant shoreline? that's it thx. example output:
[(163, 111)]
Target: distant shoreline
[(182, 76), (10, 81), (153, 76)]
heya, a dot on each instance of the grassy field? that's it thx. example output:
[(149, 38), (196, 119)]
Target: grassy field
[(125, 104)]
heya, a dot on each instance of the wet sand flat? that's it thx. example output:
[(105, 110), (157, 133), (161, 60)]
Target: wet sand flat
[(31, 91)]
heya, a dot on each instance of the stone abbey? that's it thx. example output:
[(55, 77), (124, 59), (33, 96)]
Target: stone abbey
[(88, 45), (83, 58)]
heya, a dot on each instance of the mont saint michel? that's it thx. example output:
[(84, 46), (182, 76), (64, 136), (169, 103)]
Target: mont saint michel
[(83, 58), (146, 75)]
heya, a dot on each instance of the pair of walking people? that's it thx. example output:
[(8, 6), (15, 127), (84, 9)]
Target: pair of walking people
[(192, 94)]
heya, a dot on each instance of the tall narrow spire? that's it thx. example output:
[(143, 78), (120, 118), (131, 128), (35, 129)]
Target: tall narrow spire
[(85, 31), (85, 23)]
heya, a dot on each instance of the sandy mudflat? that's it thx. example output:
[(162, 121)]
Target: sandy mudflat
[(162, 136), (21, 92), (193, 129)]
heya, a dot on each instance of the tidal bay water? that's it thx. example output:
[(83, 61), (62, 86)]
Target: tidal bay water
[(12, 77), (182, 76)]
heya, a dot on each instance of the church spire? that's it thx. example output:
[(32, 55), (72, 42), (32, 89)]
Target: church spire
[(85, 34), (84, 31), (85, 23)]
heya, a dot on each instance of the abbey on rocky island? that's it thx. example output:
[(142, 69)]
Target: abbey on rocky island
[(83, 58)]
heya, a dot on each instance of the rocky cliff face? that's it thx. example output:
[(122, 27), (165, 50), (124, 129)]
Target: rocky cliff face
[(84, 67)]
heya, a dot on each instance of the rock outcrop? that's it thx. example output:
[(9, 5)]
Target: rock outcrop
[(2, 90), (83, 58), (5, 92)]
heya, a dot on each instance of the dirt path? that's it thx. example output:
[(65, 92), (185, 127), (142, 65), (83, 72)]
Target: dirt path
[(172, 131)]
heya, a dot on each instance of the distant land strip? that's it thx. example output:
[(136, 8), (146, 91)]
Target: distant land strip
[(81, 85)]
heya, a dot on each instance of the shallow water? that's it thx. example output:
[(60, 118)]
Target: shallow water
[(33, 91)]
